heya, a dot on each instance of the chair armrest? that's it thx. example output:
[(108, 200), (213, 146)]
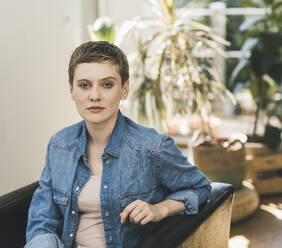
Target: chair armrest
[(175, 230), (13, 216)]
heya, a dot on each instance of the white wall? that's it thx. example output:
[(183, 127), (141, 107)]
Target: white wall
[(37, 38), (123, 9)]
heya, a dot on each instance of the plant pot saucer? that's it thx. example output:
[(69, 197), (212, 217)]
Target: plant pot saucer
[(245, 203)]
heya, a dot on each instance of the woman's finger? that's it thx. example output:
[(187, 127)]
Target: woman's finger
[(137, 210), (128, 209), (139, 217), (146, 220)]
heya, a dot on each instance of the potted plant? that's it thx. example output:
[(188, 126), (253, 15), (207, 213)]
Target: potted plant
[(104, 29), (259, 70), (171, 77)]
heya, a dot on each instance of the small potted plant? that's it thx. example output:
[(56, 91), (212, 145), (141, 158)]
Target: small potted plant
[(259, 70)]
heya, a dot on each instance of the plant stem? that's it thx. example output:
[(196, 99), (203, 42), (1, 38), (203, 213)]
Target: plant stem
[(256, 120), (258, 103)]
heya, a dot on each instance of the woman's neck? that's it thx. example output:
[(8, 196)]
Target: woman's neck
[(99, 134)]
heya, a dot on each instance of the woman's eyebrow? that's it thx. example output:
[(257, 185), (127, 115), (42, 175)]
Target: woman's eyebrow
[(83, 80), (108, 78), (101, 79)]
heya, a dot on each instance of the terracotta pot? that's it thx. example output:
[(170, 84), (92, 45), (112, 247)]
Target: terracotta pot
[(222, 162)]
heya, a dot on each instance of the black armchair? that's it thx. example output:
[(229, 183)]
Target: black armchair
[(209, 229)]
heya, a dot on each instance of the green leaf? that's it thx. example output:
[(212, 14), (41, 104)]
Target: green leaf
[(249, 44), (276, 5), (244, 62), (268, 79), (91, 33), (250, 22), (268, 2), (104, 29), (251, 4)]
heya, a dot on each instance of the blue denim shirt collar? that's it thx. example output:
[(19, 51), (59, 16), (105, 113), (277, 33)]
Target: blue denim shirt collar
[(83, 142), (115, 142)]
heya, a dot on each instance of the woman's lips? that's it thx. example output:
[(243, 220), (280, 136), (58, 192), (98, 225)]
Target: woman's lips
[(95, 109)]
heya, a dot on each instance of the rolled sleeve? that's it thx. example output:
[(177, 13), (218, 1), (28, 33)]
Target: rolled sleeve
[(45, 241), (183, 181)]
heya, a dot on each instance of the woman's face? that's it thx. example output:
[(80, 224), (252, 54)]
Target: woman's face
[(97, 91)]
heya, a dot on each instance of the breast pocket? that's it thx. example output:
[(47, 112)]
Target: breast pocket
[(147, 196), (61, 200)]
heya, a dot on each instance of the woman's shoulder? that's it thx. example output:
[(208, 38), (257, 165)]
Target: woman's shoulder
[(142, 136), (68, 134)]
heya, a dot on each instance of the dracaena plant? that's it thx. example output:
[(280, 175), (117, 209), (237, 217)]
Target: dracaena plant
[(169, 72), (259, 70)]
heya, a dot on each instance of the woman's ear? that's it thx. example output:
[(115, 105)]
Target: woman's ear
[(125, 90), (71, 91)]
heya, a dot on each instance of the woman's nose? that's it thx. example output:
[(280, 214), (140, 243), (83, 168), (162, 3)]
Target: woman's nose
[(94, 94)]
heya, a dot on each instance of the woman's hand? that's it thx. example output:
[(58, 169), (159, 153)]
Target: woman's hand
[(141, 212)]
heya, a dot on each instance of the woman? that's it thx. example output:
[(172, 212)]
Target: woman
[(108, 180)]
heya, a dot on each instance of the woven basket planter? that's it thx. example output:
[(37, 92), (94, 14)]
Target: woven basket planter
[(264, 168), (245, 203), (221, 163)]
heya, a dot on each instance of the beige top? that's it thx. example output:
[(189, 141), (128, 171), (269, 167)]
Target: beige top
[(90, 231)]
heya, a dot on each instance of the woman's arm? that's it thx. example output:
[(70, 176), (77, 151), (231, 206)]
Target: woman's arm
[(183, 180), (187, 187), (143, 212), (44, 218)]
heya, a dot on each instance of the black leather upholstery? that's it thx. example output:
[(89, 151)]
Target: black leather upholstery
[(13, 216), (170, 232)]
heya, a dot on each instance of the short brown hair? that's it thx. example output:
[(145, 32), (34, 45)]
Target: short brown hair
[(99, 51)]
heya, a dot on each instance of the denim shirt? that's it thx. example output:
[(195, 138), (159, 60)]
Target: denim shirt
[(138, 163)]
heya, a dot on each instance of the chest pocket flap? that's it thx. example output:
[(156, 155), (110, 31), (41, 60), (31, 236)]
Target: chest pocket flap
[(60, 197), (131, 197)]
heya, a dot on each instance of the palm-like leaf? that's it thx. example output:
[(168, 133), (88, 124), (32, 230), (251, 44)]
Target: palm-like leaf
[(251, 22), (168, 78), (251, 3)]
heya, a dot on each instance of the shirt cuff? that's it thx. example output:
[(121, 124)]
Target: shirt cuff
[(189, 198)]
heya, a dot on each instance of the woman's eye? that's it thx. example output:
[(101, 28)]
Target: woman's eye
[(108, 85), (83, 85)]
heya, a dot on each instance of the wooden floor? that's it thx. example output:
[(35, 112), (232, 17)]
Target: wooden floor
[(264, 228), (261, 230)]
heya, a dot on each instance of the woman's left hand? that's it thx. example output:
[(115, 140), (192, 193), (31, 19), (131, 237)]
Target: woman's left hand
[(141, 212)]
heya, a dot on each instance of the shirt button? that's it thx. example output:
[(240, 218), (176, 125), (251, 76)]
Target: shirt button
[(54, 197), (71, 235), (77, 188), (107, 213), (73, 212), (105, 186), (111, 238), (107, 161)]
